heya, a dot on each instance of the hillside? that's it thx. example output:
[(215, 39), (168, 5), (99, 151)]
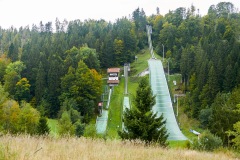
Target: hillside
[(58, 73), (32, 148)]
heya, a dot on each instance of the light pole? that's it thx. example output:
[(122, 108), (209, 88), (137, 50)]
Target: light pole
[(168, 70), (175, 95), (177, 106), (178, 95), (163, 52)]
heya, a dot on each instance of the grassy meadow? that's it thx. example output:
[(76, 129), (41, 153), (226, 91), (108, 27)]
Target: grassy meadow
[(53, 125), (24, 147)]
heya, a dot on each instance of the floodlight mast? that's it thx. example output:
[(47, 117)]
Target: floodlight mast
[(126, 78)]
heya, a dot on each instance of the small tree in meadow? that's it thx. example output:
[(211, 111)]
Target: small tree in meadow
[(65, 125), (43, 128)]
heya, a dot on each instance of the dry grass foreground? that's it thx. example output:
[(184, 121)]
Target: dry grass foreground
[(44, 148)]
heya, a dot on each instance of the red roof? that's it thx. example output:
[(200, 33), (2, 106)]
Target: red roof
[(113, 81), (113, 70)]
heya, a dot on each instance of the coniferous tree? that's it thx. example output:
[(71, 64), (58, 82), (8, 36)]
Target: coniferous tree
[(140, 122), (54, 83), (43, 128), (40, 83), (12, 54), (106, 57), (79, 131)]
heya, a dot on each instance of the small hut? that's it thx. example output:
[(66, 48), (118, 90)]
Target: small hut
[(113, 76)]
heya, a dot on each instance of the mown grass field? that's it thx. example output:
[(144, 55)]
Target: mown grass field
[(115, 111), (116, 105), (141, 63)]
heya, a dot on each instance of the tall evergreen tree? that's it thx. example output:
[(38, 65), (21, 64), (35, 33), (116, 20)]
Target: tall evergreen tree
[(12, 54), (54, 83), (140, 122), (40, 83), (229, 78)]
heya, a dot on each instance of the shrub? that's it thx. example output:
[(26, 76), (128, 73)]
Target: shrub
[(79, 129), (90, 131), (207, 142), (66, 128), (236, 134)]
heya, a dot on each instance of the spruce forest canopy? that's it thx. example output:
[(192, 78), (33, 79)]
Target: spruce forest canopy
[(58, 65)]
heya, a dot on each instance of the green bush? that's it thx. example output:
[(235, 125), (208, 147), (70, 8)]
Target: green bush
[(79, 129), (90, 131), (204, 117), (236, 134), (66, 128), (207, 142)]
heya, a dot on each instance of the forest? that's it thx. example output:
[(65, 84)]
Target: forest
[(54, 70)]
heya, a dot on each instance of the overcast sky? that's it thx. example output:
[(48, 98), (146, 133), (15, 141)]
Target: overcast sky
[(27, 12)]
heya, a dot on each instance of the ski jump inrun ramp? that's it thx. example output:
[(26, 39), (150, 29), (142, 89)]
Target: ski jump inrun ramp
[(160, 89), (163, 100)]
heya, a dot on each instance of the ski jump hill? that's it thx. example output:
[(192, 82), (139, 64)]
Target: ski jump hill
[(160, 90), (163, 100)]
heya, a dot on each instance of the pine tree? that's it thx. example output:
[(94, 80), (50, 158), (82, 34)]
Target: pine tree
[(55, 73), (12, 53), (140, 122), (40, 83), (79, 131), (43, 128)]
